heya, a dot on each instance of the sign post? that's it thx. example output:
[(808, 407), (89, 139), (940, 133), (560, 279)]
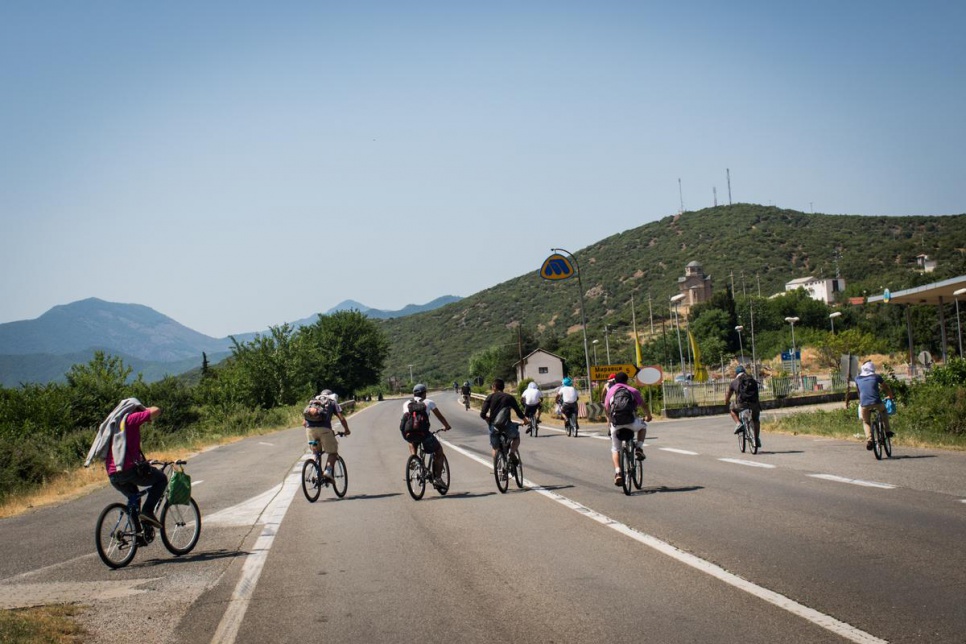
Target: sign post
[(558, 267)]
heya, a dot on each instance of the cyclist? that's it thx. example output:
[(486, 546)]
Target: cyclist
[(465, 391), (318, 427), (868, 383), (567, 397), (531, 403), (744, 388), (427, 439), (619, 430), (127, 469), (495, 403)]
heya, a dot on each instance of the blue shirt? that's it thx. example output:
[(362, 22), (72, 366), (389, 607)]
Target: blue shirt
[(868, 387)]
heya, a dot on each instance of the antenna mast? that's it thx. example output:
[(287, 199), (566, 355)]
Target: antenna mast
[(728, 174)]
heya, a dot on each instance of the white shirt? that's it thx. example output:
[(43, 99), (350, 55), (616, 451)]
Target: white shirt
[(531, 396), (567, 394), (430, 405)]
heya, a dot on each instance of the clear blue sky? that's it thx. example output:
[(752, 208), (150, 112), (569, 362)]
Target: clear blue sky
[(236, 165)]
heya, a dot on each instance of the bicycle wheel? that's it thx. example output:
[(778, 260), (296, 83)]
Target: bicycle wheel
[(886, 442), (518, 472), (415, 477), (877, 435), (340, 477), (180, 527), (638, 473), (115, 536), (743, 439), (501, 471), (443, 488), (535, 425), (567, 426), (311, 480), (750, 439), (627, 469)]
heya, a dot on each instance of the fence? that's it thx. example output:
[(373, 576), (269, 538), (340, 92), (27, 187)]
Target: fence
[(706, 394)]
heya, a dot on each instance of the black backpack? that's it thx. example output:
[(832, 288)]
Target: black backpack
[(622, 407), (501, 419), (747, 390), (415, 420)]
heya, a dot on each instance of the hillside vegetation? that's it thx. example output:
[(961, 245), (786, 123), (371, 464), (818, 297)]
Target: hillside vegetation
[(756, 246)]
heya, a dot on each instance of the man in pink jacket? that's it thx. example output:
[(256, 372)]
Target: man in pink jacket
[(133, 473), (623, 430)]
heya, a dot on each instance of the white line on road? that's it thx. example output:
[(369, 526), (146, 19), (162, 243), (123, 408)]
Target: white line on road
[(827, 622), (269, 444), (842, 479), (738, 461), (194, 483), (678, 451), (227, 629)]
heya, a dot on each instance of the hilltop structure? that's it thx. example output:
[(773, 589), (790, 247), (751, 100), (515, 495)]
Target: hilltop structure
[(818, 289), (695, 285)]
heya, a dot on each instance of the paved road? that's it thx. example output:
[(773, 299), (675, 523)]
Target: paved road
[(811, 540)]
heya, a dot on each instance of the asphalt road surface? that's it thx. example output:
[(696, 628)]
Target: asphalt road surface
[(811, 540)]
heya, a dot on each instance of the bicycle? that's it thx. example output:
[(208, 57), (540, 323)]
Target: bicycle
[(533, 425), (313, 481), (881, 439), (746, 437), (632, 469), (503, 468), (119, 531), (466, 401), (570, 423), (419, 469)]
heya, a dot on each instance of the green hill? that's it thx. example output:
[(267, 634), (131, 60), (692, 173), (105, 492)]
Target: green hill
[(755, 246)]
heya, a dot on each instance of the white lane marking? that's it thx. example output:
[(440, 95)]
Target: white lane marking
[(738, 461), (827, 622), (842, 479), (194, 483), (269, 444), (245, 513), (678, 451), (24, 595), (227, 629)]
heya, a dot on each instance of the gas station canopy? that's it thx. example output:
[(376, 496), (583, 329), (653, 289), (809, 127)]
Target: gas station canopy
[(935, 293)]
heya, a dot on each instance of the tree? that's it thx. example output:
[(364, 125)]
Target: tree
[(96, 388), (346, 352)]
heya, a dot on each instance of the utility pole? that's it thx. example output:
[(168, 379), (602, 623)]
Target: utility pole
[(714, 190), (728, 173), (681, 196)]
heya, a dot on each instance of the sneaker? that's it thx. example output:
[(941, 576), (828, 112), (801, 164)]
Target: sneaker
[(438, 482), (514, 460), (890, 434), (639, 454), (738, 428), (618, 479), (327, 475), (868, 444), (529, 431), (150, 519), (757, 442)]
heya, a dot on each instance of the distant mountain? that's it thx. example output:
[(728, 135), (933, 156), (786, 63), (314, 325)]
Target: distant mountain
[(43, 350), (379, 314)]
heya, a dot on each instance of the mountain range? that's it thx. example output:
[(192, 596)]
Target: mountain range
[(43, 350)]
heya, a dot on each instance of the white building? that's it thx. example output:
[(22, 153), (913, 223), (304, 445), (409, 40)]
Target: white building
[(543, 367), (818, 289)]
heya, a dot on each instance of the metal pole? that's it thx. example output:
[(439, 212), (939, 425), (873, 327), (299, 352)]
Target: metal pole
[(959, 330), (741, 349), (583, 317), (754, 356), (677, 325), (607, 343)]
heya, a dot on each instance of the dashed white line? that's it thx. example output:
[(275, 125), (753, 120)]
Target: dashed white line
[(678, 451), (827, 622), (738, 461), (842, 479)]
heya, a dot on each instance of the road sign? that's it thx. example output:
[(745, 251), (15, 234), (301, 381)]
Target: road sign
[(600, 372), (650, 375), (556, 267)]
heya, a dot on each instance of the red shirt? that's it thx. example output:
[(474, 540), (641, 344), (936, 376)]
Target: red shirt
[(131, 426)]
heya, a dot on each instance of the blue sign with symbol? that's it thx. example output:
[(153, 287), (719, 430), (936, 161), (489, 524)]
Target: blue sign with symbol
[(556, 267)]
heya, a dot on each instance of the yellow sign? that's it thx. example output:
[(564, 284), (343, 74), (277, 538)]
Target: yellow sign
[(601, 372), (556, 267)]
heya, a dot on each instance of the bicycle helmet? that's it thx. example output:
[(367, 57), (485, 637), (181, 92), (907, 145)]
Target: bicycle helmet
[(419, 390), (567, 382), (739, 369)]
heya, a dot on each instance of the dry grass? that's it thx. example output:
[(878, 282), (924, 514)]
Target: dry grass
[(52, 624)]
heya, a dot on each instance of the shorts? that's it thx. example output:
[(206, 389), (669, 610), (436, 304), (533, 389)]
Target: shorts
[(625, 432), (323, 436), (512, 431), (531, 410), (427, 439), (754, 408)]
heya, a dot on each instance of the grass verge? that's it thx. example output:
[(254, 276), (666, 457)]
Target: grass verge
[(54, 624)]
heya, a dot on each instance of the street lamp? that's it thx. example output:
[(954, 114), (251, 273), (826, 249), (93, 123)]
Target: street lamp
[(583, 316), (607, 344), (741, 349), (675, 300), (410, 374), (959, 330), (595, 351), (838, 314), (792, 321)]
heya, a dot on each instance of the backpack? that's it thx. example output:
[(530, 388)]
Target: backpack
[(747, 390), (415, 420), (501, 418), (317, 412), (622, 406)]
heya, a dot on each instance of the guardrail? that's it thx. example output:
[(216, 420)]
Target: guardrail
[(776, 388)]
